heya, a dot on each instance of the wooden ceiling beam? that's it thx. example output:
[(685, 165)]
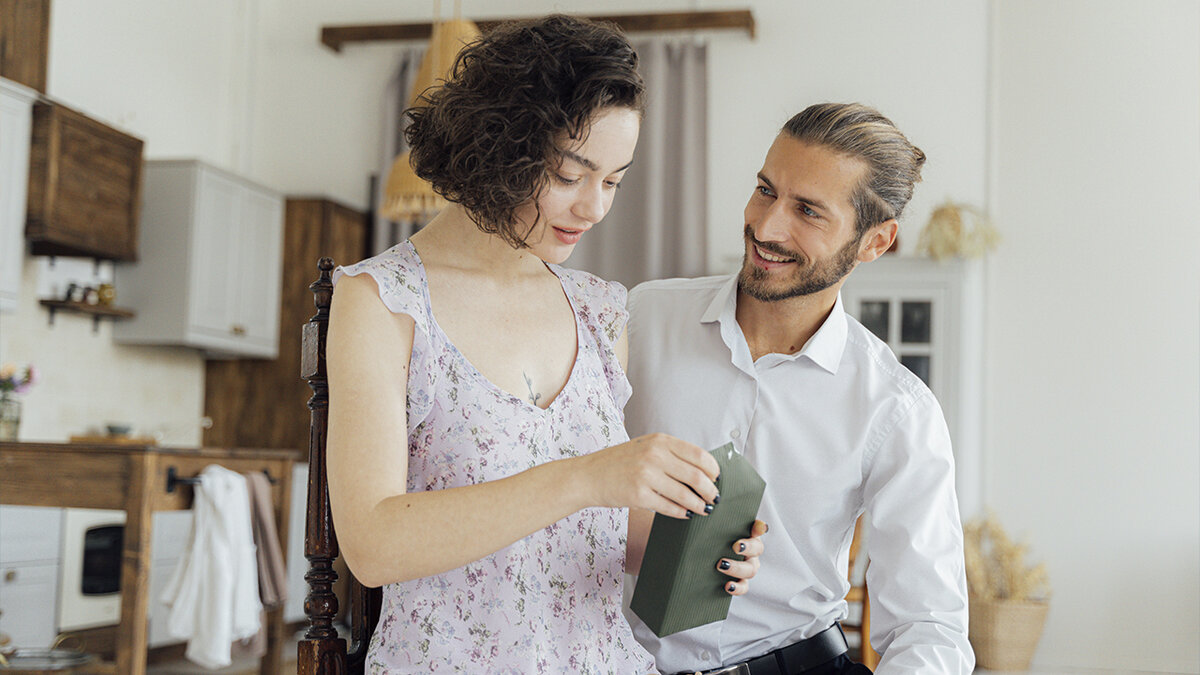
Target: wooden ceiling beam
[(335, 37)]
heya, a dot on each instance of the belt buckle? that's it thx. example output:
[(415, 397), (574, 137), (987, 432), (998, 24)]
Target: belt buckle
[(736, 669)]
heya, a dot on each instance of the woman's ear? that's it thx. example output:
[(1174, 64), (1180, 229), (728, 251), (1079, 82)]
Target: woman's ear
[(877, 240)]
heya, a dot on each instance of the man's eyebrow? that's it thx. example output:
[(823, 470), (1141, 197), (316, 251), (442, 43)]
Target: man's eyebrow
[(589, 163), (797, 198)]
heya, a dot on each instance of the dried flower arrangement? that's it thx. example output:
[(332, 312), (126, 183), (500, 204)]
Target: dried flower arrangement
[(957, 230), (1008, 602), (996, 568)]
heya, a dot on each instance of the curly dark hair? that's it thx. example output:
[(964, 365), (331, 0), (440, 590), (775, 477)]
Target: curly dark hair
[(486, 138)]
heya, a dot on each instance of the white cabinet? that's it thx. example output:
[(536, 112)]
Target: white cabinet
[(297, 564), (16, 105), (157, 634), (931, 314), (169, 540), (27, 599), (29, 546), (29, 534), (210, 262)]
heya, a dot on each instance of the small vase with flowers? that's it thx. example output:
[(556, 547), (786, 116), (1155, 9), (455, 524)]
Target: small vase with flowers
[(13, 382)]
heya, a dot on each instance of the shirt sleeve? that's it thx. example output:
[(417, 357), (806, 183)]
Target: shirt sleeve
[(916, 577)]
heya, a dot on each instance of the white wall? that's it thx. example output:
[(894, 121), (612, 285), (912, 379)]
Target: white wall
[(171, 73), (1092, 428)]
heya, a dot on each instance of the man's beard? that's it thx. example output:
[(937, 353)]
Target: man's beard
[(809, 277)]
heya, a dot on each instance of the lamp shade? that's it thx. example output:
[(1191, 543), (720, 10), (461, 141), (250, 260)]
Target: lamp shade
[(406, 196)]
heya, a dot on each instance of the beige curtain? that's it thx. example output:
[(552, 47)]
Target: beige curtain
[(657, 227)]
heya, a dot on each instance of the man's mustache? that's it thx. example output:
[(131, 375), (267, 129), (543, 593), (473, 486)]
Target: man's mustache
[(772, 248)]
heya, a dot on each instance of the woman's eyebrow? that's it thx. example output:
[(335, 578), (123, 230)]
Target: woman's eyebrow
[(589, 164)]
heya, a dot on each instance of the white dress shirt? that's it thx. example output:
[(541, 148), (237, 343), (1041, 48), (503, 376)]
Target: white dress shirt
[(836, 429)]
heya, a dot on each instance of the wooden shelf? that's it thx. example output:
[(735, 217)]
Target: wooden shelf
[(97, 312), (335, 37)]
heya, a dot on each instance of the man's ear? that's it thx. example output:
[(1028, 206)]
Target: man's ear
[(877, 240)]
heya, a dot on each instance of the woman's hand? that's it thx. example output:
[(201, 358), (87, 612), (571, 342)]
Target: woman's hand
[(656, 472), (743, 570)]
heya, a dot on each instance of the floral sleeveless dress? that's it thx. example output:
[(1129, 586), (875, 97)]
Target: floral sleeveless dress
[(551, 602)]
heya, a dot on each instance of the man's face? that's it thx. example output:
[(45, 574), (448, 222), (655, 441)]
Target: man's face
[(800, 222)]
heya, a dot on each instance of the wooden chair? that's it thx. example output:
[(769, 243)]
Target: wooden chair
[(858, 595), (322, 652)]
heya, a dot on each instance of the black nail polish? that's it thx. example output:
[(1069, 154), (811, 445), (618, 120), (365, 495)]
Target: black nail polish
[(724, 565), (717, 499), (708, 508), (742, 547), (731, 587), (689, 514)]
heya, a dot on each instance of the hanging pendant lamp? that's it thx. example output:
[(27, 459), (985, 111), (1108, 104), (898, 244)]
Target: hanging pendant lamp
[(406, 196)]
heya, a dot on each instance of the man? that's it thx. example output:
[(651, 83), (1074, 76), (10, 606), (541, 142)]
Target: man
[(769, 360)]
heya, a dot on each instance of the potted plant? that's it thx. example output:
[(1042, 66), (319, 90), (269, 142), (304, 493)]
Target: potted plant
[(1009, 598)]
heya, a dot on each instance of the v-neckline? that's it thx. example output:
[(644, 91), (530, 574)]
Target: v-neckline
[(478, 374)]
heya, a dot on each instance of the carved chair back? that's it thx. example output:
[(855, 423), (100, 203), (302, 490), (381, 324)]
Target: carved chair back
[(322, 652)]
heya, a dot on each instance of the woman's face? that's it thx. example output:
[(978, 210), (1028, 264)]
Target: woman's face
[(581, 187)]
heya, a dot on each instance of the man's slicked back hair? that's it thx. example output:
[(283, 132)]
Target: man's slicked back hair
[(893, 163)]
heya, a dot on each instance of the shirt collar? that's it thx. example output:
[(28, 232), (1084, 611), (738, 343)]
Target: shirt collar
[(723, 302), (824, 348)]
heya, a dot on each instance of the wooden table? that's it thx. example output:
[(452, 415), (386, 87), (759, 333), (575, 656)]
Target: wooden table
[(134, 479)]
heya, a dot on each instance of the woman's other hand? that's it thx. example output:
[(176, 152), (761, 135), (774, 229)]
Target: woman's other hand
[(742, 571)]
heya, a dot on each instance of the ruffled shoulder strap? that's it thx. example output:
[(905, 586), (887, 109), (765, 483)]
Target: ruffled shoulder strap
[(401, 280), (600, 307), (400, 277)]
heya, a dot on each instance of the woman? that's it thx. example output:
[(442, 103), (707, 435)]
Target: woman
[(504, 372)]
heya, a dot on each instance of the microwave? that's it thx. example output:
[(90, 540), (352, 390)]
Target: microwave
[(89, 587)]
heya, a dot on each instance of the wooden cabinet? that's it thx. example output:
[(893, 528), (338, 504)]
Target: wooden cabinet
[(85, 181), (261, 404), (25, 41), (16, 104), (209, 276)]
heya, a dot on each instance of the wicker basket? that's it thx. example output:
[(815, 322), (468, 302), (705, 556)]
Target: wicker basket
[(1005, 633)]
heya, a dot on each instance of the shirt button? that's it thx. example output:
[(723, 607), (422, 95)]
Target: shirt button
[(704, 655), (736, 433)]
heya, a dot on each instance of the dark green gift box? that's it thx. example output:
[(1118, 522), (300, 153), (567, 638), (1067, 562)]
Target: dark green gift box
[(679, 586)]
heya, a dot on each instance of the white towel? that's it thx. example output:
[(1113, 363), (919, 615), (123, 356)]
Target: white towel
[(213, 592)]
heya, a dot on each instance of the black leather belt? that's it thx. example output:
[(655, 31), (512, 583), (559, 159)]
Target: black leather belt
[(794, 658)]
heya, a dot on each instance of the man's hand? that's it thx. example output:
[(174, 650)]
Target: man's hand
[(744, 570)]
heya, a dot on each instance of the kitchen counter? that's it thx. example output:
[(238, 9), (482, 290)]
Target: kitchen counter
[(134, 478)]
